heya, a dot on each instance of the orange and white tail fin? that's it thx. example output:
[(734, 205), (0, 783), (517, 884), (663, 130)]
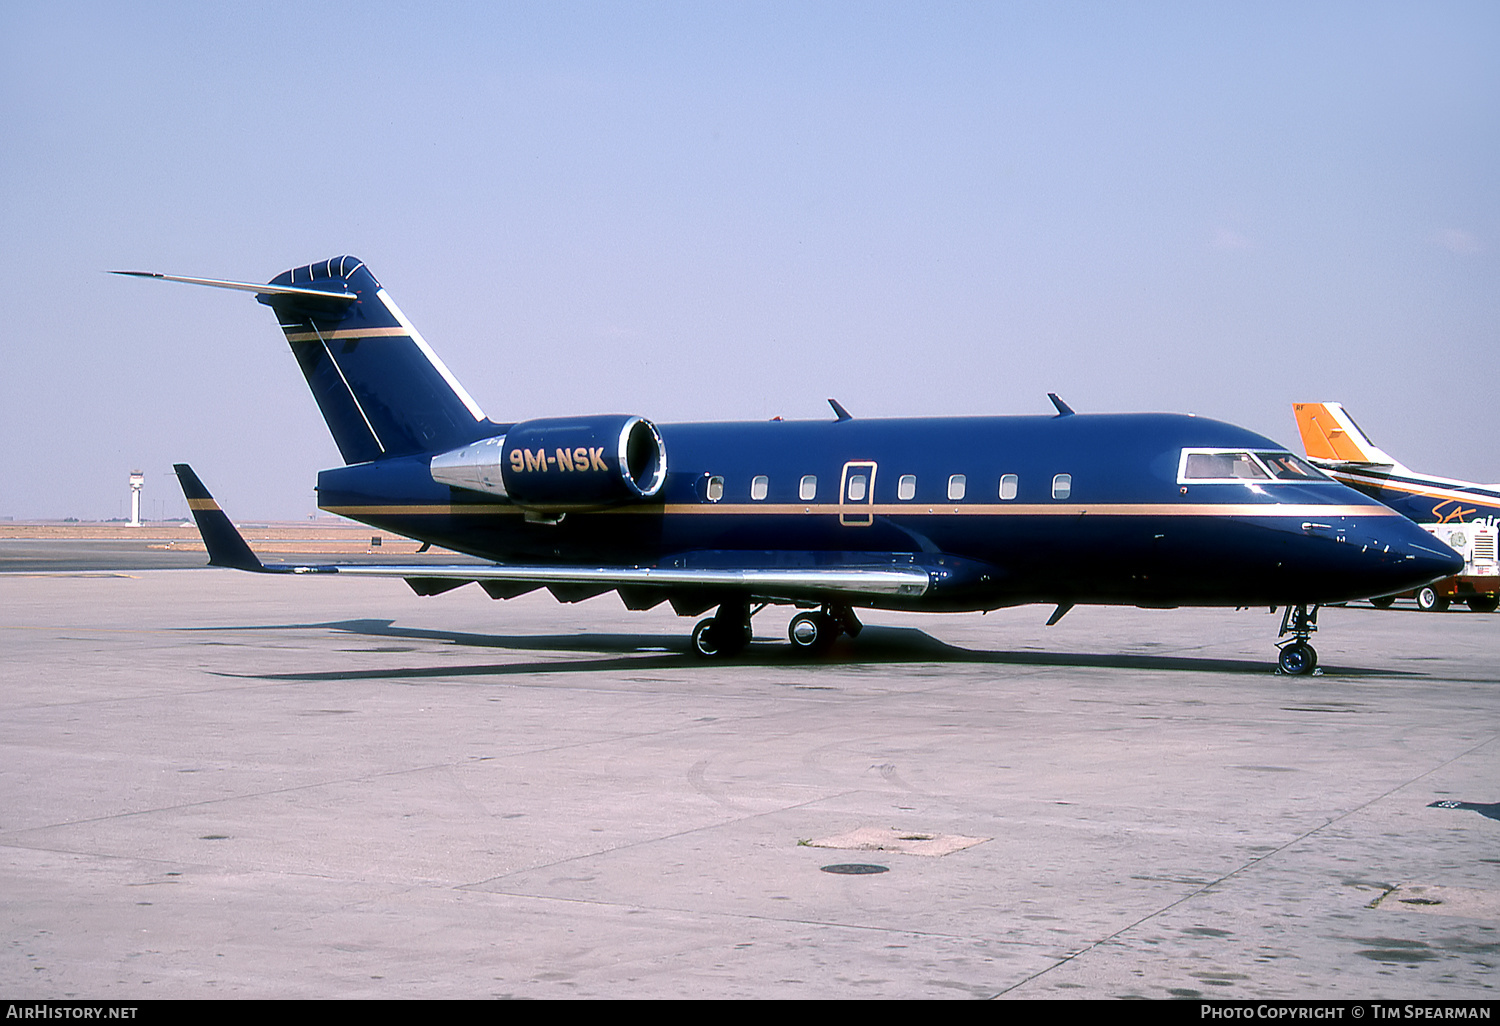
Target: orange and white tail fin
[(1330, 435)]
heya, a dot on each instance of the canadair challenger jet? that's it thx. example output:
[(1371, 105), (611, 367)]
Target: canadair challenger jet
[(1339, 447), (944, 514)]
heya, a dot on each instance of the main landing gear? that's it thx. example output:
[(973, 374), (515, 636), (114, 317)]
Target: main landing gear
[(813, 634), (727, 632), (1297, 656)]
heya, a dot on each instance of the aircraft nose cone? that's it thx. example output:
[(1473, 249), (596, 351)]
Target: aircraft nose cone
[(1438, 561), (1423, 558)]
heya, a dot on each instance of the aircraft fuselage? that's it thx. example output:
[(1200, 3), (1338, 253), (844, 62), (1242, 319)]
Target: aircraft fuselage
[(1065, 509)]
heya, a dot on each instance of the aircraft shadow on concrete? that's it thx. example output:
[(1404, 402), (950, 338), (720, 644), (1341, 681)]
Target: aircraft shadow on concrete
[(1490, 810), (635, 652)]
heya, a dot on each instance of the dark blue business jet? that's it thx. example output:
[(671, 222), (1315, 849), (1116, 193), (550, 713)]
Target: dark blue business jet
[(942, 514)]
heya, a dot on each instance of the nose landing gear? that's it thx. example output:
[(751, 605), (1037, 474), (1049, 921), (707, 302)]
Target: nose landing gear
[(1298, 658)]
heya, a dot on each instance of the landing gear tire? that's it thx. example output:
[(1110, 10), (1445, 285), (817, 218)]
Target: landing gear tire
[(1429, 601), (812, 633), (1384, 602), (715, 640), (705, 645), (1484, 603), (1298, 659)]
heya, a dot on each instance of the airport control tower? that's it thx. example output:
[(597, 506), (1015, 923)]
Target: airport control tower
[(137, 482)]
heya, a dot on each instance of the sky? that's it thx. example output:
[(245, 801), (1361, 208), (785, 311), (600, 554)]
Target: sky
[(709, 211)]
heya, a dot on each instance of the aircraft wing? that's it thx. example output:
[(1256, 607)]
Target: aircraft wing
[(859, 580), (227, 548)]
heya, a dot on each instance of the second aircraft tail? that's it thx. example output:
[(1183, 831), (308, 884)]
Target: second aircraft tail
[(1329, 434)]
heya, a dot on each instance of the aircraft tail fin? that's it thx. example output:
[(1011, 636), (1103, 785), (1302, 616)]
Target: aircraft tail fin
[(382, 390), (226, 546), (1331, 435)]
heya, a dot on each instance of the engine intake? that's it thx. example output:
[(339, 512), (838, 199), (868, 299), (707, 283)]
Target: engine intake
[(562, 463)]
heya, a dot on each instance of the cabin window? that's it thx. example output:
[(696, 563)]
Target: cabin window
[(957, 485), (1221, 467), (1009, 484), (906, 488), (759, 485), (1062, 486), (715, 490), (857, 484), (808, 489)]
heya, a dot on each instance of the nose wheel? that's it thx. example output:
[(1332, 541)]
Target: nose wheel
[(1298, 658)]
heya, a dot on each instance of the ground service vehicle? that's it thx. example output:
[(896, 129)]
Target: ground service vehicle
[(1477, 585)]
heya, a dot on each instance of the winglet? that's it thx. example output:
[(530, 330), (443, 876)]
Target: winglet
[(1063, 409), (226, 547), (839, 411), (1330, 434)]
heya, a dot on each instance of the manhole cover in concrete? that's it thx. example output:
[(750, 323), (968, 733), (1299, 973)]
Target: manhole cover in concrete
[(855, 869)]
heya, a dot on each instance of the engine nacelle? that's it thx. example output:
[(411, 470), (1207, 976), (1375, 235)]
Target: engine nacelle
[(562, 463)]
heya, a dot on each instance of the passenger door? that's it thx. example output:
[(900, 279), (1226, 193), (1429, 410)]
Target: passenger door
[(857, 493)]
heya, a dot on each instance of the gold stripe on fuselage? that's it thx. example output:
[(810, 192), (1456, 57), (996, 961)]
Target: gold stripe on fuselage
[(1172, 509), (436, 509), (1106, 509)]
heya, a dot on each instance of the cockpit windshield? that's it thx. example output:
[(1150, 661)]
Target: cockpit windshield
[(1287, 467), (1228, 466)]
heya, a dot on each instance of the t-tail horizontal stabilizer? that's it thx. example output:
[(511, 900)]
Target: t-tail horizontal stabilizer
[(226, 547), (337, 298)]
